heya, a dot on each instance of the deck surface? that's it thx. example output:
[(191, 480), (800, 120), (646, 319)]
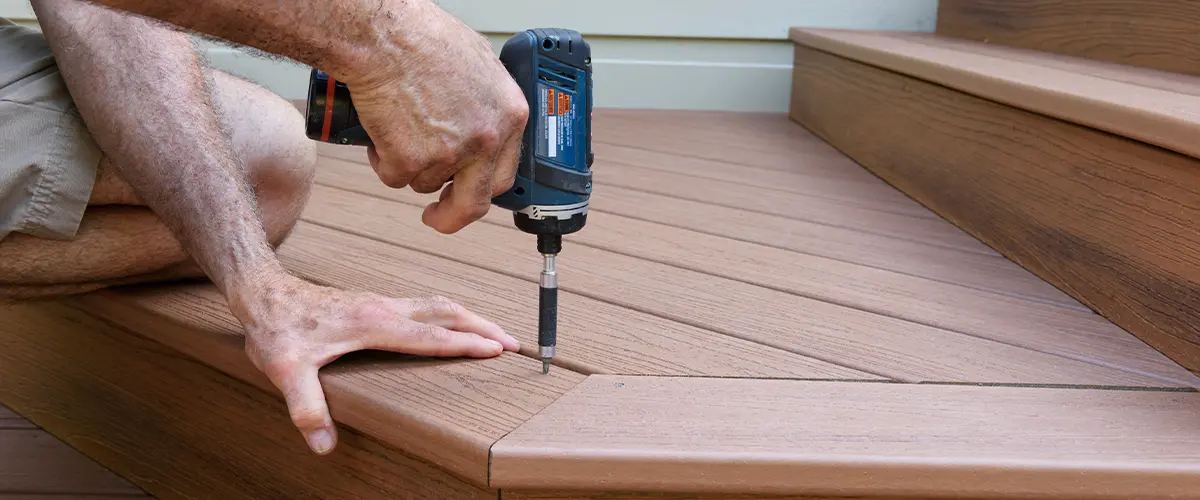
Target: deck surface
[(36, 465), (733, 246), (733, 267)]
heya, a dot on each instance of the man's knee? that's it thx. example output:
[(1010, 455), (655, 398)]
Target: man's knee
[(268, 134)]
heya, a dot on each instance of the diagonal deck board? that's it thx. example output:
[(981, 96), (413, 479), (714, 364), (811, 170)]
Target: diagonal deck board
[(602, 337), (1069, 333), (446, 412), (870, 342), (803, 437)]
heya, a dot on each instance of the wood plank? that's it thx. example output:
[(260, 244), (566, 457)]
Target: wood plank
[(446, 411), (802, 209), (836, 438), (1109, 220), (594, 336), (31, 460), (671, 252), (908, 247), (849, 337), (181, 429), (815, 184), (839, 196), (1159, 34), (1151, 114)]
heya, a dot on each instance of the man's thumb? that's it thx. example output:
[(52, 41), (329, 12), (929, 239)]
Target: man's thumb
[(309, 412)]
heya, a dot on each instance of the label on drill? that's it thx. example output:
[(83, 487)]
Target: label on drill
[(556, 119)]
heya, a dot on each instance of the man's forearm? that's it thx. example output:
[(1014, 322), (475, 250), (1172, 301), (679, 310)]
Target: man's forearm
[(144, 94), (338, 37)]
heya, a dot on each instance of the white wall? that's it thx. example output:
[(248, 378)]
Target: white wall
[(674, 54)]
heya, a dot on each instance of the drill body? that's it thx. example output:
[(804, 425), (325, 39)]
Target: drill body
[(549, 197)]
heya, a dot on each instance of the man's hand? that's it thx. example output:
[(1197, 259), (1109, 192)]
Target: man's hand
[(294, 328), (430, 91), (443, 107)]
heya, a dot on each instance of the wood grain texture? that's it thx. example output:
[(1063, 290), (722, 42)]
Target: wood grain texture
[(1067, 333), (446, 411), (869, 342), (789, 195), (1159, 34), (1109, 220), (180, 429), (803, 209), (33, 461), (1136, 107), (835, 438), (908, 254), (594, 336)]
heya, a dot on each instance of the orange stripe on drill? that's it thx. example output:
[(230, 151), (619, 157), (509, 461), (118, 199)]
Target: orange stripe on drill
[(328, 110)]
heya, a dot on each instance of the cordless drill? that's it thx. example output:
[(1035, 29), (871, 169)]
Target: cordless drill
[(549, 197)]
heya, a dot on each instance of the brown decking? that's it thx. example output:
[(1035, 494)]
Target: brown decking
[(36, 466), (720, 246)]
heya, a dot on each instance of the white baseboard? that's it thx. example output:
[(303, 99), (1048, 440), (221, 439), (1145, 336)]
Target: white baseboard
[(621, 83)]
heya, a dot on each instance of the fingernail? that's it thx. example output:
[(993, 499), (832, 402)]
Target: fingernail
[(320, 440), (493, 343)]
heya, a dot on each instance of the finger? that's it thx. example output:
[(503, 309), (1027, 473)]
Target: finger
[(373, 158), (307, 407), (507, 163), (442, 312), (468, 201), (433, 178), (424, 339)]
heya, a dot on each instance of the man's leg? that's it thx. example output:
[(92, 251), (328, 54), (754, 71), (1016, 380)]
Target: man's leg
[(120, 241)]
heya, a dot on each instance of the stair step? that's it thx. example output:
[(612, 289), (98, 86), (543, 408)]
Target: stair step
[(1030, 153), (1151, 106), (1158, 34)]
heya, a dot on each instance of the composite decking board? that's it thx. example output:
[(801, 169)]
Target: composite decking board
[(595, 336), (906, 250), (1110, 220), (1158, 34), (983, 272), (869, 342), (665, 252), (832, 193), (33, 461), (934, 232), (1164, 118), (807, 437), (183, 430), (445, 411), (845, 190), (907, 256)]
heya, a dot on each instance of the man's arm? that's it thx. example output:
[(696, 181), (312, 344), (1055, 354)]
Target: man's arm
[(142, 90), (430, 92)]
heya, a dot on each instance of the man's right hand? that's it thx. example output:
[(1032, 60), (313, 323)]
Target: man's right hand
[(442, 107)]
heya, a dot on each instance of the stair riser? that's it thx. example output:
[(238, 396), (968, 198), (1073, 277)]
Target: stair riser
[(1156, 34), (1108, 220)]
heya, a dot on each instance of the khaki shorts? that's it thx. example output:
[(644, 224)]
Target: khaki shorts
[(48, 160)]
